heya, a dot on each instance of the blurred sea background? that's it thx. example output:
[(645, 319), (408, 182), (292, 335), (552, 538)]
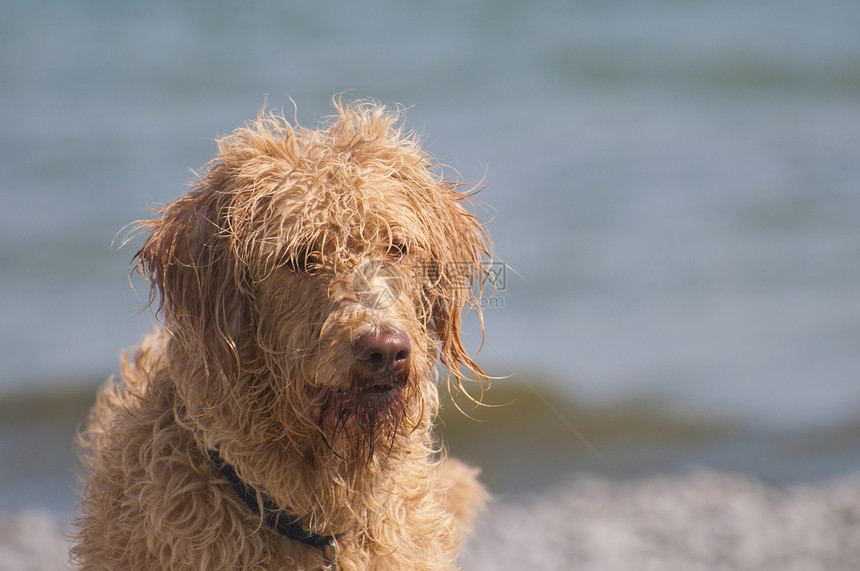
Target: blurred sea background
[(673, 186)]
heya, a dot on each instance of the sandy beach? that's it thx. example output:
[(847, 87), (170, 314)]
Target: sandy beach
[(701, 521)]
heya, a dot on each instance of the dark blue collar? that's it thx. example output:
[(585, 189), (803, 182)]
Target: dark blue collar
[(287, 525)]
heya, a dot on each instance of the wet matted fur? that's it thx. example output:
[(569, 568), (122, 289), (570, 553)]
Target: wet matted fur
[(291, 251)]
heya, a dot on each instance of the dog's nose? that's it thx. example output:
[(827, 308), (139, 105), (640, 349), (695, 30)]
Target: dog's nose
[(386, 352)]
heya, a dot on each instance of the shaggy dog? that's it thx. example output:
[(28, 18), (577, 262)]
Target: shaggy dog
[(282, 416)]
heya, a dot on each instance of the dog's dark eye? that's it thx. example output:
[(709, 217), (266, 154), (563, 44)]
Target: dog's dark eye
[(303, 261), (397, 250)]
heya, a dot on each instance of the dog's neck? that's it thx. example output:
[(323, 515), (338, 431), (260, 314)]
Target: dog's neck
[(321, 487), (284, 523), (334, 494)]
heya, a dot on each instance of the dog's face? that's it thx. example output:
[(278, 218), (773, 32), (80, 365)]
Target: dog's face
[(312, 279)]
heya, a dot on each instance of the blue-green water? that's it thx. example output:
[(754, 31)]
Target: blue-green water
[(675, 185)]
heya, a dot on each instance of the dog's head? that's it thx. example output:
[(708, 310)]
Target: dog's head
[(311, 280)]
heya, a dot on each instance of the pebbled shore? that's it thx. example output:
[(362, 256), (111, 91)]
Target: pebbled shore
[(702, 521), (32, 540)]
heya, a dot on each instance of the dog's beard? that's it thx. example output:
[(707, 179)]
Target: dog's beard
[(364, 419)]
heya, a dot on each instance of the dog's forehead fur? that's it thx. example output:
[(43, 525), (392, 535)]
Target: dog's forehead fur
[(359, 185)]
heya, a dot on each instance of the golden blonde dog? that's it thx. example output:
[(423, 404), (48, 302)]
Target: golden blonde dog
[(281, 418)]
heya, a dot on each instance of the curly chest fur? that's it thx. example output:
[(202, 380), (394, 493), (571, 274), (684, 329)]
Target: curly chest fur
[(151, 486)]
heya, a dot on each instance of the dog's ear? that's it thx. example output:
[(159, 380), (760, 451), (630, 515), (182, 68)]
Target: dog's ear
[(459, 276), (196, 280)]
